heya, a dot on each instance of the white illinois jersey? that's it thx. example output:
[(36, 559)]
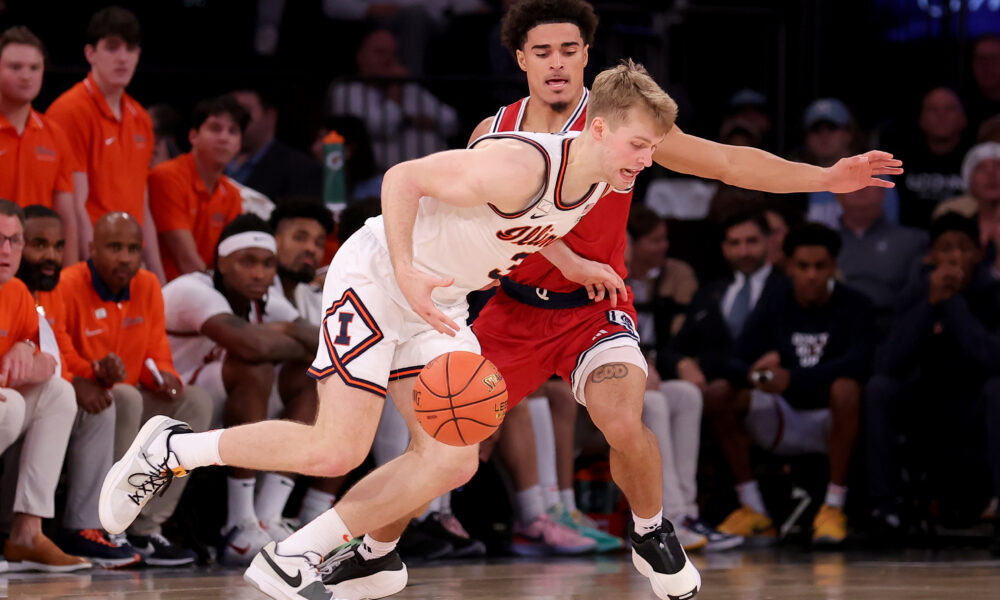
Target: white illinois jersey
[(478, 245)]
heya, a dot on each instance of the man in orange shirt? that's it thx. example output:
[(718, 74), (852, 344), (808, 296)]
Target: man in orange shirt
[(115, 326), (91, 441), (35, 404), (35, 158), (190, 198), (109, 133)]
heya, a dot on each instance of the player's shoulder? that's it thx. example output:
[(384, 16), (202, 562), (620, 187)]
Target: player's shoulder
[(191, 287)]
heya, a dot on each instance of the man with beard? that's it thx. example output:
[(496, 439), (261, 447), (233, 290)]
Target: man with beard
[(240, 343), (91, 442), (190, 198), (110, 324)]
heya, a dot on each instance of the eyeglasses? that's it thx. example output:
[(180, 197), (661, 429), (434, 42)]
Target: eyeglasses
[(16, 241)]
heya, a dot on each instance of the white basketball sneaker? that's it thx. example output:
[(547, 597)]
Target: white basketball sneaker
[(659, 556), (287, 577)]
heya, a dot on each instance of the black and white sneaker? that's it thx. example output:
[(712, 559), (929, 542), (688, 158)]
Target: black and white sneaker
[(146, 468), (351, 576), (158, 551), (660, 557), (283, 577)]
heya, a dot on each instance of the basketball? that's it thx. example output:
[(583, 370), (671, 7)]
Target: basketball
[(460, 398)]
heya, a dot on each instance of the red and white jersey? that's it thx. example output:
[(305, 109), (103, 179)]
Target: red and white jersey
[(478, 245), (600, 236)]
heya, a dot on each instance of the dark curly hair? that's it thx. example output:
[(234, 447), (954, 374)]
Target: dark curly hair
[(525, 15)]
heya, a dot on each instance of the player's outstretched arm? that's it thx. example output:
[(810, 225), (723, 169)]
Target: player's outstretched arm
[(598, 278), (756, 169), (504, 173)]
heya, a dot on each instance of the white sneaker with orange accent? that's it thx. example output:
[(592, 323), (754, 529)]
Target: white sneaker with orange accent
[(146, 468)]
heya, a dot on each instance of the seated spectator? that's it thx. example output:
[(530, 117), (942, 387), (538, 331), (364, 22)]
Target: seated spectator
[(699, 352), (984, 97), (945, 345), (662, 286), (34, 403), (780, 218), (751, 106), (110, 325), (404, 120), (878, 257), (190, 197), (230, 337), (39, 167), (91, 442), (805, 351), (981, 174), (265, 164)]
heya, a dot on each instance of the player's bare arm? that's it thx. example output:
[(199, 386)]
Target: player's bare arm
[(504, 173), (756, 169), (598, 278), (252, 343)]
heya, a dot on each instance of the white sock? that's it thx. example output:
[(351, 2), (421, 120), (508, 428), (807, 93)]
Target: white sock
[(749, 495), (530, 504), (550, 494), (272, 496), (195, 450), (371, 548), (643, 526), (835, 495), (315, 503), (568, 498), (545, 449), (240, 501), (322, 535)]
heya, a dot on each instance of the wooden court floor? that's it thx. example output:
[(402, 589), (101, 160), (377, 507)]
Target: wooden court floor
[(756, 575)]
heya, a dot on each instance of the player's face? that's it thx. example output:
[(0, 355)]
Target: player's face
[(811, 268), (41, 260), (21, 70), (217, 140), (628, 146), (113, 61), (11, 243), (249, 272), (301, 245), (117, 253), (554, 57), (745, 248)]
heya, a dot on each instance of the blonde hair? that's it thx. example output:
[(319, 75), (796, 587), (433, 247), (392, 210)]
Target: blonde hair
[(618, 89)]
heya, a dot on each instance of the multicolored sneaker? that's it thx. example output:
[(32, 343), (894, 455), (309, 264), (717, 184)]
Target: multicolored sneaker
[(543, 537), (753, 527), (829, 526), (98, 547), (42, 555), (158, 551), (351, 576), (242, 541), (586, 527), (716, 540)]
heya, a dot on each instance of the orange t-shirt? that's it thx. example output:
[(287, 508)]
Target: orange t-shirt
[(18, 318), (179, 199), (34, 163), (114, 153), (96, 323)]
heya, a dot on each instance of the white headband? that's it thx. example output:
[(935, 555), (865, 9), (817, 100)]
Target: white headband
[(976, 155), (247, 239)]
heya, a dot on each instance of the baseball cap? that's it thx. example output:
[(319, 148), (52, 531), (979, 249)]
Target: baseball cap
[(828, 110)]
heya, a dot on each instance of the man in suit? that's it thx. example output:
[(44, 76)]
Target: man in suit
[(264, 163), (718, 310)]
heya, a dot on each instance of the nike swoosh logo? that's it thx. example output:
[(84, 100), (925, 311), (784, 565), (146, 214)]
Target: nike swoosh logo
[(93, 332), (539, 216), (347, 538), (292, 581), (242, 550)]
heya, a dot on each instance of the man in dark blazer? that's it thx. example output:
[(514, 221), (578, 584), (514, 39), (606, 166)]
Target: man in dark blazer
[(264, 163), (718, 310)]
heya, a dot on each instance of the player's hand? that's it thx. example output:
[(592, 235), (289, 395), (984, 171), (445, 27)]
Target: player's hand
[(91, 396), (855, 172), (599, 279), (16, 365), (417, 287)]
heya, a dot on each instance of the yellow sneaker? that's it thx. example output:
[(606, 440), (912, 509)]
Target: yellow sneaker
[(748, 523), (829, 526)]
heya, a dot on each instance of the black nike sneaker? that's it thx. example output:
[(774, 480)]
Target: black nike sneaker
[(661, 558), (351, 576), (294, 577)]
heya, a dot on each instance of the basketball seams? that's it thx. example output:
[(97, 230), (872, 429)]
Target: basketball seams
[(454, 406), (447, 410), (471, 379)]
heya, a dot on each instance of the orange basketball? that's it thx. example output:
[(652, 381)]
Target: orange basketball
[(460, 398)]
